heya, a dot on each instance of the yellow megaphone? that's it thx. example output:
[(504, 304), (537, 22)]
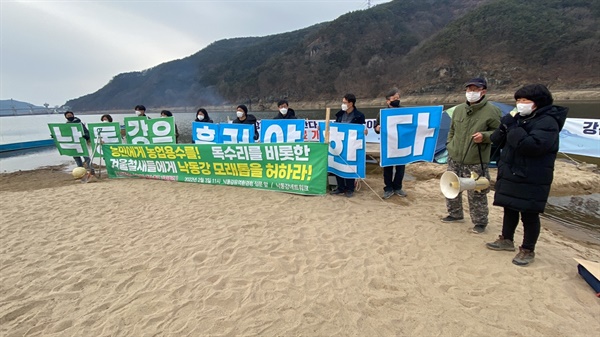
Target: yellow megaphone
[(451, 184)]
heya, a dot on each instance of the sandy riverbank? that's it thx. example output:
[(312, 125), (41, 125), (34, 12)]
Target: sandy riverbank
[(134, 257)]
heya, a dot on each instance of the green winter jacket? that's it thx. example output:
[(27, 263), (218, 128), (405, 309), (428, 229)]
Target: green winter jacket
[(467, 120)]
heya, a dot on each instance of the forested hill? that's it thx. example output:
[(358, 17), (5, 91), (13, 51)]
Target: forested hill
[(420, 46)]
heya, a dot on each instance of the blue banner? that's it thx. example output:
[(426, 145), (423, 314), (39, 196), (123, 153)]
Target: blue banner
[(347, 149), (236, 133), (205, 133), (282, 131), (409, 134)]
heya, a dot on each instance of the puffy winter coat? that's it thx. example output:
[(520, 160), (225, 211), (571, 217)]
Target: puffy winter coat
[(526, 168)]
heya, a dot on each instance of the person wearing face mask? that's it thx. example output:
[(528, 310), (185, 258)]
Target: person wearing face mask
[(469, 148), (285, 112), (529, 142), (348, 114), (392, 175), (202, 116), (70, 116), (167, 113), (140, 110), (106, 119), (243, 117)]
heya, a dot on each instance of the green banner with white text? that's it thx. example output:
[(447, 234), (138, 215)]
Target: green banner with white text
[(286, 167)]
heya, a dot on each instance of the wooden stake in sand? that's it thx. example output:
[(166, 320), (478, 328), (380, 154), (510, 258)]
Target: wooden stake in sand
[(327, 112)]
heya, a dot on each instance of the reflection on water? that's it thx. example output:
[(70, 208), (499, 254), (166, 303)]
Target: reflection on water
[(576, 212), (32, 159)]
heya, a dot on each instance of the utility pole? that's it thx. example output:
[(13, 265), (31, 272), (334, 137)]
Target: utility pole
[(368, 4)]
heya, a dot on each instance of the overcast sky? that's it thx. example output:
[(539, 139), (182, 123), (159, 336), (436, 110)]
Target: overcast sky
[(53, 51)]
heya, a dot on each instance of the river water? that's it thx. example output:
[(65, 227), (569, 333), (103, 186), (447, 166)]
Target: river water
[(576, 216)]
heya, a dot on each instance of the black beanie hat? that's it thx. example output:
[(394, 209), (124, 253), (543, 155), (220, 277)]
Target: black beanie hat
[(538, 93), (243, 107)]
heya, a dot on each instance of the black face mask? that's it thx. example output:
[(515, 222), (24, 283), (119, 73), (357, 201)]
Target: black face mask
[(395, 104), (70, 119)]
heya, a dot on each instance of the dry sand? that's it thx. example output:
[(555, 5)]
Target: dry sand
[(133, 257)]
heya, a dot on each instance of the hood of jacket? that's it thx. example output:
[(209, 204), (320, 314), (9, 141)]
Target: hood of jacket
[(559, 113)]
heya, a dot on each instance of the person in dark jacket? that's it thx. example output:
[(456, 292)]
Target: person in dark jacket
[(167, 113), (202, 116), (140, 111), (529, 143), (285, 112), (348, 114), (70, 116), (244, 118), (392, 175)]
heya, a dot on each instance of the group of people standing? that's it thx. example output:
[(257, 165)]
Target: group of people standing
[(528, 139)]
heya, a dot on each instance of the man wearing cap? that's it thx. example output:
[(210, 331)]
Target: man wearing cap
[(469, 147)]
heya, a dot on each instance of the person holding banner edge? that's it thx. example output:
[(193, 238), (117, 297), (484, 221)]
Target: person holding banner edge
[(70, 116), (244, 118), (140, 111), (469, 148), (529, 143), (392, 181), (202, 116), (348, 114), (285, 112)]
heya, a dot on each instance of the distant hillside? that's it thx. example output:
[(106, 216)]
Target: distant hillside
[(420, 46), (10, 107)]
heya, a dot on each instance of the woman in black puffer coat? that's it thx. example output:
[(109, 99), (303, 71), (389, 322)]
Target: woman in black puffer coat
[(529, 141)]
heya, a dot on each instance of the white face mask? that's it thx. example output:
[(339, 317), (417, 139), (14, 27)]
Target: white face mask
[(283, 111), (104, 121), (200, 117), (525, 109), (344, 107), (239, 114), (473, 96), (138, 112)]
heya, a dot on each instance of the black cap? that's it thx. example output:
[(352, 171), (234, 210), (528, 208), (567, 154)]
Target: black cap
[(478, 82)]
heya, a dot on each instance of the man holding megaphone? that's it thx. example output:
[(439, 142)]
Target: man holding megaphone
[(469, 148)]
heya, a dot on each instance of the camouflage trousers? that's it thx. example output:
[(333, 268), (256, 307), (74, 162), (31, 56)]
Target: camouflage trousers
[(478, 204)]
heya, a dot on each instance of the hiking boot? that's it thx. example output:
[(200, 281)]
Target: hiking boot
[(501, 244), (349, 194), (478, 229), (400, 193), (524, 257), (337, 191), (450, 218), (387, 194)]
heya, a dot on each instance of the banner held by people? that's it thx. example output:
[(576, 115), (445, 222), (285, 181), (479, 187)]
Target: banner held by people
[(347, 149), (409, 134), (293, 168)]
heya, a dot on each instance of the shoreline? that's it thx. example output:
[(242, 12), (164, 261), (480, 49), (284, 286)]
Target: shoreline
[(581, 96)]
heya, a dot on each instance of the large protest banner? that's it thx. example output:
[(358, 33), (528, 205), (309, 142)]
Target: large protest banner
[(347, 149), (68, 139), (409, 134), (295, 168)]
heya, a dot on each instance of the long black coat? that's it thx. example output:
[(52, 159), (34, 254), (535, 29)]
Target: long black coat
[(526, 167)]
